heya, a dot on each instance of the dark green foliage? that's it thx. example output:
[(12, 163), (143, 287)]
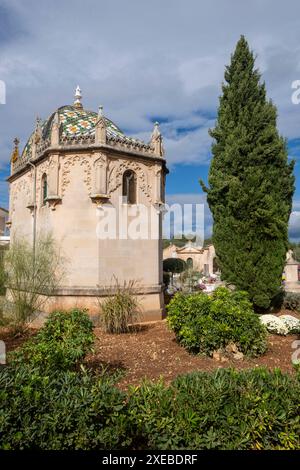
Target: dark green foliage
[(292, 301), (65, 339), (204, 323), (174, 265), (226, 409), (251, 183), (60, 411)]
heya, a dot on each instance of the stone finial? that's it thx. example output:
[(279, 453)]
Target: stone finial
[(38, 130), (55, 130), (78, 97), (100, 112), (156, 140), (100, 128), (15, 154)]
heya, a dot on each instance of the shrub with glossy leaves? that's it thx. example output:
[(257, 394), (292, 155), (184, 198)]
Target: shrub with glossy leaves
[(226, 409), (65, 339), (204, 323), (61, 410)]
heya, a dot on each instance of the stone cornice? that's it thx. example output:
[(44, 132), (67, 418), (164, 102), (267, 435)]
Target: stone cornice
[(102, 291), (90, 148)]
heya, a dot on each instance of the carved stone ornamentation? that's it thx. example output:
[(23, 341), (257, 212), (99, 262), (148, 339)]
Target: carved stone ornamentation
[(52, 201), (100, 128), (116, 176), (100, 168), (156, 141), (21, 190), (72, 161), (55, 131)]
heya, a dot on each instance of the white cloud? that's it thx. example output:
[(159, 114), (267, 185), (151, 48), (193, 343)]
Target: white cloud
[(142, 60)]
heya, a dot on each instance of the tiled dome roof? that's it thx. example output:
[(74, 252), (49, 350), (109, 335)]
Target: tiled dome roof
[(74, 122), (74, 126)]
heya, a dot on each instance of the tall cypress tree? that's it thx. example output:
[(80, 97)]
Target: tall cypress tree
[(251, 183)]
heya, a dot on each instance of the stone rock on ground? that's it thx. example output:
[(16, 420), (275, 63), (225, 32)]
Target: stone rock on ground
[(238, 356), (218, 355), (229, 352), (231, 348)]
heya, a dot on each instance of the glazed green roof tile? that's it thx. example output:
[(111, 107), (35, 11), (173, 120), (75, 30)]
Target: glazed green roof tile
[(75, 122)]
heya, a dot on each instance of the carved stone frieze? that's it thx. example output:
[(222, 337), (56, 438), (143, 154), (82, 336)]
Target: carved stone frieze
[(83, 161)]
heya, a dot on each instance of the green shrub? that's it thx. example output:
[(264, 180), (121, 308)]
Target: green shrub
[(204, 323), (121, 309), (292, 301), (226, 409), (60, 411), (65, 339)]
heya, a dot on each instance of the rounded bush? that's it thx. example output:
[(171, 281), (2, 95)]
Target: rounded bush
[(66, 337), (204, 323)]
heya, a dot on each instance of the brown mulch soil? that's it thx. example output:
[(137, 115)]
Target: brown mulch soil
[(14, 341), (152, 352)]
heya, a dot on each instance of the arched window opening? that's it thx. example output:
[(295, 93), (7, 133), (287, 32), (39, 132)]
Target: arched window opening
[(44, 189), (129, 187), (189, 263)]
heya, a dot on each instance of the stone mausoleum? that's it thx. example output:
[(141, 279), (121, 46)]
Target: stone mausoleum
[(77, 168), (198, 258)]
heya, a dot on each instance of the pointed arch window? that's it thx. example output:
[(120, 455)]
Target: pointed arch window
[(129, 187), (44, 189)]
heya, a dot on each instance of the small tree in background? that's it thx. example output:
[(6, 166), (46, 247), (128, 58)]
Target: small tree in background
[(174, 266), (251, 183), (30, 279)]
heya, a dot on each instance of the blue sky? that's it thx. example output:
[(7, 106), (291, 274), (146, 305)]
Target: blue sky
[(146, 61)]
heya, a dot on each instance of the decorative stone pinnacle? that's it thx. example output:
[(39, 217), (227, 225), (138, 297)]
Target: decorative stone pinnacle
[(100, 112), (156, 140), (78, 97), (56, 119), (100, 130), (38, 129), (156, 130), (15, 153)]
